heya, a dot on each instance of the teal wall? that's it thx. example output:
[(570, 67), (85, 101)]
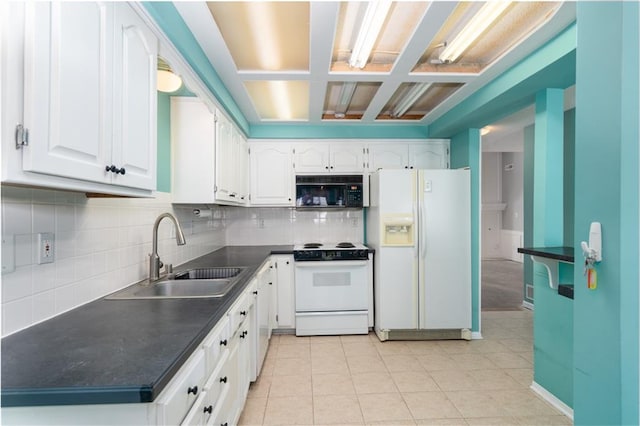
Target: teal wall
[(606, 187), (465, 152), (164, 142)]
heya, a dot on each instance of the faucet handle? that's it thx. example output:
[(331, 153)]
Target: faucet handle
[(168, 268)]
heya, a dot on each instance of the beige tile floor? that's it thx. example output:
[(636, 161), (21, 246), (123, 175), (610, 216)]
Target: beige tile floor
[(355, 380)]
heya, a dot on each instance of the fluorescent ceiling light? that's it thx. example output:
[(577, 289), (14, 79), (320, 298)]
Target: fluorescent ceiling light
[(485, 130), (346, 93), (167, 81), (476, 26), (372, 23), (409, 99)]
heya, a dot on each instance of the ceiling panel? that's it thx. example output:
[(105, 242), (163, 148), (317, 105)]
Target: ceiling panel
[(280, 100), (268, 36)]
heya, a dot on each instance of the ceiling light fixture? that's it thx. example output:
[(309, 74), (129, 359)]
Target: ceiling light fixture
[(476, 26), (409, 99), (346, 93), (485, 130), (167, 81), (372, 23)]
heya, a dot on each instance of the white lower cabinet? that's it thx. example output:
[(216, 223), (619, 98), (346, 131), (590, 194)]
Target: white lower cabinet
[(182, 392), (209, 389), (285, 288)]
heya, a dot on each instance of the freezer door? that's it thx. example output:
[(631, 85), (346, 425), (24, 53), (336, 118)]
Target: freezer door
[(445, 249), (396, 267)]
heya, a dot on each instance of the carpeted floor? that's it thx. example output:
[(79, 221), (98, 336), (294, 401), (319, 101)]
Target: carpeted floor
[(502, 285)]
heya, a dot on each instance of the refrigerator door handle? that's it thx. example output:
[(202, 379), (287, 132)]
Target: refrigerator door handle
[(423, 231)]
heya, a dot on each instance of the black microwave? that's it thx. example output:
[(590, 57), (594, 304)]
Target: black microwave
[(329, 191)]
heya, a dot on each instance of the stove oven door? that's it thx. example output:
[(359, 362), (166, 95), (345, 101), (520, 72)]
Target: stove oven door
[(331, 297)]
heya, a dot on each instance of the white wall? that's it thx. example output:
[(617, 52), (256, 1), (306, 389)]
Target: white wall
[(512, 190)]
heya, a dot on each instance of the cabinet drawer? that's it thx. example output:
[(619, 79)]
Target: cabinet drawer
[(181, 393), (219, 380), (216, 344), (240, 310), (200, 412)]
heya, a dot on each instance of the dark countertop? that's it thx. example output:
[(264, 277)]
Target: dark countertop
[(564, 254), (117, 351)]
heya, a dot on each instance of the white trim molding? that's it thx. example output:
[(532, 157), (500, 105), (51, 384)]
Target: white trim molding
[(553, 400)]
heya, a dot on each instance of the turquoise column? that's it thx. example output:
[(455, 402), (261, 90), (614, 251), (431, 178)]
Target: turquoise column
[(548, 168), (466, 152), (553, 314), (606, 330)]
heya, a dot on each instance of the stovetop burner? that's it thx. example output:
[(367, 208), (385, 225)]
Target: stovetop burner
[(312, 245), (345, 245)]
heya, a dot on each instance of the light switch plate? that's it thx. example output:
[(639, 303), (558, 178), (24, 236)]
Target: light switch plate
[(46, 246)]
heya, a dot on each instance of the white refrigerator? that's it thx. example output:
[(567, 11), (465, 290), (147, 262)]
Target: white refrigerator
[(419, 223)]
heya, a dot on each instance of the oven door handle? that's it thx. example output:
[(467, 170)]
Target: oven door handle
[(321, 263)]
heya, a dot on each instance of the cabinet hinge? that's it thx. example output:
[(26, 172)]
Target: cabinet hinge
[(447, 151), (294, 150), (22, 136), (215, 188), (277, 318)]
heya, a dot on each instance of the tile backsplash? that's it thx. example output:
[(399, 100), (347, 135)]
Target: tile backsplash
[(102, 244)]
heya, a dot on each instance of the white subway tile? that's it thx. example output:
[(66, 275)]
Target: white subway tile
[(44, 277), (17, 284), (24, 249), (65, 216), (66, 298), (44, 218), (16, 315), (44, 305), (16, 219)]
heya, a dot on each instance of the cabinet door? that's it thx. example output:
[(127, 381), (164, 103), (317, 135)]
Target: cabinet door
[(271, 174), (346, 157), (286, 309), (311, 158), (429, 155), (387, 156), (192, 151), (68, 89), (135, 111), (240, 162), (224, 155)]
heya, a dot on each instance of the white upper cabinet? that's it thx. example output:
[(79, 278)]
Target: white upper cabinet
[(323, 157), (427, 154), (193, 151), (387, 155), (224, 154), (208, 153), (135, 113), (68, 89), (88, 91), (271, 174)]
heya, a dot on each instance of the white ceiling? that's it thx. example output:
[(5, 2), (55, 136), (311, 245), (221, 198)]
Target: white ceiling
[(393, 64)]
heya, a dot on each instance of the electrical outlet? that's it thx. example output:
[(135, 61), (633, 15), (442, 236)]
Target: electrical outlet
[(46, 253)]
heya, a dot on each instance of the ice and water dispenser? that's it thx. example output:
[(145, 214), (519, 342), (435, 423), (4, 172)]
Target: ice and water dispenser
[(397, 230)]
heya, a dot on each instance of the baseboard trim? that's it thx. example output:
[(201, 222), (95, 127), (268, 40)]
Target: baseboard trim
[(553, 400), (527, 305)]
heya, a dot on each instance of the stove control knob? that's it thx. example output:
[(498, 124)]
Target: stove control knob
[(362, 253)]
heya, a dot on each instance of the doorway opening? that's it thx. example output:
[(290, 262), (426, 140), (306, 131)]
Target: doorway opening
[(502, 216)]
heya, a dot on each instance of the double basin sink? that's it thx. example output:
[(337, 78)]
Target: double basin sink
[(191, 283)]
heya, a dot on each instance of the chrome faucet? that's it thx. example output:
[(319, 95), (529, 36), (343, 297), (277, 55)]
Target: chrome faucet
[(154, 260)]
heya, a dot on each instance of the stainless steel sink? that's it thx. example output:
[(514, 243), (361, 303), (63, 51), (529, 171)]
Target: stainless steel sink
[(192, 283), (208, 273)]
